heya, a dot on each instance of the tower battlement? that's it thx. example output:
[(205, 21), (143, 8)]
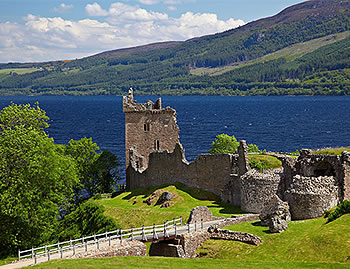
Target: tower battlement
[(148, 128)]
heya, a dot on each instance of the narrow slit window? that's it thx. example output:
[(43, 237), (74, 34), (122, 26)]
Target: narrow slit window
[(146, 127), (156, 145)]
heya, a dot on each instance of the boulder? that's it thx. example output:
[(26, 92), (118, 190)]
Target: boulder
[(164, 197), (275, 214)]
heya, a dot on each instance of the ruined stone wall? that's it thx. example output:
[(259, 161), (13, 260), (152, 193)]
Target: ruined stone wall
[(346, 179), (213, 173), (257, 188), (310, 197), (148, 128)]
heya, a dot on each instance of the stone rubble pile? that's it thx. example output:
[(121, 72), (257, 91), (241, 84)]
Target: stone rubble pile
[(275, 214)]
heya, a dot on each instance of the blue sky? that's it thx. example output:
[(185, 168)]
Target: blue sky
[(40, 30)]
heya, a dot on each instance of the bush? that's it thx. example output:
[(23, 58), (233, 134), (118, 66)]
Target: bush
[(260, 162), (340, 210)]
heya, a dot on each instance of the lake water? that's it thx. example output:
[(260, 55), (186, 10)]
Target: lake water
[(273, 123)]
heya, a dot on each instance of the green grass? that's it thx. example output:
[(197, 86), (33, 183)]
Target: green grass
[(128, 209), (332, 151), (7, 260), (305, 244), (262, 161), (304, 241), (158, 262)]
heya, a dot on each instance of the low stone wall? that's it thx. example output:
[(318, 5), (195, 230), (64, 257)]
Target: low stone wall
[(238, 219), (127, 248), (258, 188), (247, 238)]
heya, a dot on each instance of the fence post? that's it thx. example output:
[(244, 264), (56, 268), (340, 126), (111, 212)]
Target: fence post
[(85, 246), (58, 245), (82, 240), (155, 236), (95, 237), (175, 231), (165, 231), (45, 249), (109, 240), (195, 225), (35, 258), (61, 252), (144, 238), (32, 252), (174, 222), (19, 254), (97, 244), (121, 236), (132, 233), (106, 233), (201, 224), (48, 256), (188, 227), (70, 242), (73, 249), (181, 220)]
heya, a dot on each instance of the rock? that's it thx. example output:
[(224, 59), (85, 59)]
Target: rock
[(277, 225), (275, 214), (164, 197)]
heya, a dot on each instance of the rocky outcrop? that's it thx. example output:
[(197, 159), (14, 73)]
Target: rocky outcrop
[(202, 213), (164, 199), (275, 214)]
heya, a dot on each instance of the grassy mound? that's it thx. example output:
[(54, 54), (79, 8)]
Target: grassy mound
[(260, 162), (129, 209)]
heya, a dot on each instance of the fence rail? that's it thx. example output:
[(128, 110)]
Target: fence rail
[(141, 233)]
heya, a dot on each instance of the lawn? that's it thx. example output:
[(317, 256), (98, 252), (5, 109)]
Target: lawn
[(128, 208)]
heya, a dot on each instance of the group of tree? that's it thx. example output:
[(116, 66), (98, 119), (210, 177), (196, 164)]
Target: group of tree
[(226, 144), (45, 187)]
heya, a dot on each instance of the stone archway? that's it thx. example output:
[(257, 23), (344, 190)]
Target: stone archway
[(323, 168)]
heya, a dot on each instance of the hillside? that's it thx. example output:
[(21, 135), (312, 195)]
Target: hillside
[(252, 59)]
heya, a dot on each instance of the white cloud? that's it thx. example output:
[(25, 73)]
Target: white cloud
[(149, 2), (62, 8), (41, 39), (95, 10)]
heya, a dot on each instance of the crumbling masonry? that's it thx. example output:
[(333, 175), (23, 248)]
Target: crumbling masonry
[(310, 184)]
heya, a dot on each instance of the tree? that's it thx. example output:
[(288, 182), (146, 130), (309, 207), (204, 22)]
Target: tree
[(228, 144), (98, 172), (224, 144), (35, 180)]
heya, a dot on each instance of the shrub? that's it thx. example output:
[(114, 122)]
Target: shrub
[(340, 210)]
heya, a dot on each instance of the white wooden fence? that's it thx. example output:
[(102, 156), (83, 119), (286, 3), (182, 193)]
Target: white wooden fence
[(150, 233)]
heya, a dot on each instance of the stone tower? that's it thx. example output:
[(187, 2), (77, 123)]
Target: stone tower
[(148, 128)]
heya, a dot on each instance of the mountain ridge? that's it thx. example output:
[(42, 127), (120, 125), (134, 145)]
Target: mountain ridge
[(164, 67)]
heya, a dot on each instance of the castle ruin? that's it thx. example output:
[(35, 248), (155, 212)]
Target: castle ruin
[(310, 184)]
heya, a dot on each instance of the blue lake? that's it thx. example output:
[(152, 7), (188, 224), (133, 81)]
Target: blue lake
[(273, 123)]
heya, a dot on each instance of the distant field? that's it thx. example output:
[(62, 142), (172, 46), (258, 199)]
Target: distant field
[(128, 208), (19, 71), (291, 53)]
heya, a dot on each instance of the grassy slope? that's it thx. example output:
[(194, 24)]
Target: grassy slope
[(128, 209), (291, 53), (305, 244), (303, 241), (332, 151)]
